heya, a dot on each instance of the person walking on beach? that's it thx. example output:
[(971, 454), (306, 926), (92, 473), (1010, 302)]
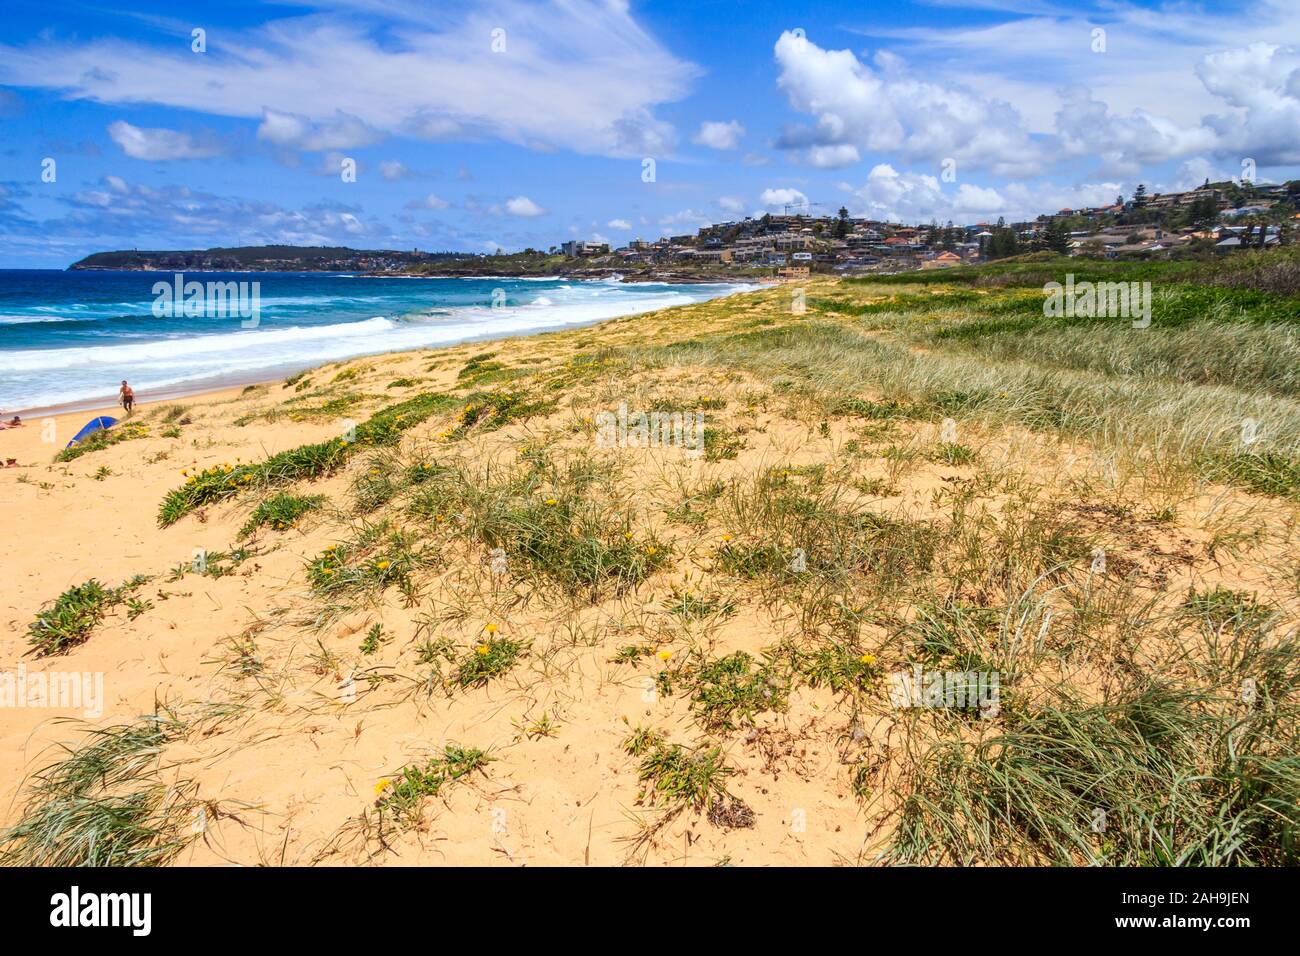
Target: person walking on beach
[(126, 397)]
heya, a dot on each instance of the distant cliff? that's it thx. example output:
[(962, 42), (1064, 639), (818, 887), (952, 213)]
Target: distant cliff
[(265, 259)]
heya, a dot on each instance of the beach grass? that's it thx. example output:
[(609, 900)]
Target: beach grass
[(906, 476)]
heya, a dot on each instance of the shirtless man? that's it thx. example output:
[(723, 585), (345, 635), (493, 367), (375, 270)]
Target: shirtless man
[(126, 396)]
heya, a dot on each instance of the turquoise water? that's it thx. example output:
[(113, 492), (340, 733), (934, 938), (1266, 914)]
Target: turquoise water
[(69, 338)]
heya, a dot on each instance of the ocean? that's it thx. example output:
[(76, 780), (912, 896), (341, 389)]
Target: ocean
[(67, 339)]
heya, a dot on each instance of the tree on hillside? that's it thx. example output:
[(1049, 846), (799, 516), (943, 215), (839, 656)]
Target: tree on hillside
[(1057, 237), (1004, 242), (1140, 196), (842, 223)]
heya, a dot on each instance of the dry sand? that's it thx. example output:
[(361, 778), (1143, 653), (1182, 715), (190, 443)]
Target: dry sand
[(290, 774)]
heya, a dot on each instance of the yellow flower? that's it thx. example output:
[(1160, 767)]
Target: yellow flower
[(382, 785), (490, 628), (326, 570), (665, 655), (726, 537), (651, 550), (551, 501), (343, 441), (868, 659), (627, 535), (439, 518), (382, 565), (483, 650)]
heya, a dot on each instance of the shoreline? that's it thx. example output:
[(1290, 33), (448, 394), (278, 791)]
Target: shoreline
[(237, 380), (107, 405)]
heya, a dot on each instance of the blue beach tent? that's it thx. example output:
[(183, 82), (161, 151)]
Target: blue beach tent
[(102, 423)]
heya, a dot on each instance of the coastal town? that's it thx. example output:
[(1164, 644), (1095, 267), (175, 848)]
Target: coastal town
[(1213, 218)]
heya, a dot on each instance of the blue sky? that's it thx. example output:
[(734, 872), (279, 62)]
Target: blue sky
[(506, 124)]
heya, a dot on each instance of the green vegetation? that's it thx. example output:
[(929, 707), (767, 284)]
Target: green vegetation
[(104, 438), (106, 804), (733, 689), (403, 796), (675, 777), (69, 620), (280, 512), (490, 659)]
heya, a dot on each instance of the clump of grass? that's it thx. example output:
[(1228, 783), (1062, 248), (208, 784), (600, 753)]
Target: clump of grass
[(103, 804), (304, 463), (403, 795), (1163, 778), (105, 438), (951, 453), (222, 482), (1224, 608), (691, 605), (69, 620), (280, 512), (480, 368), (837, 666), (370, 643), (403, 383), (632, 653), (492, 410), (1267, 473), (721, 444), (486, 661), (675, 777), (734, 688), (576, 543), (376, 559)]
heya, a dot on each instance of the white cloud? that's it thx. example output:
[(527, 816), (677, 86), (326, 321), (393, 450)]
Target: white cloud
[(524, 207), (777, 199), (719, 135), (430, 201), (686, 217), (578, 74), (1196, 171), (157, 145), (340, 131), (619, 224), (393, 170), (919, 197), (1261, 83), (1123, 145), (885, 108), (833, 157), (731, 204)]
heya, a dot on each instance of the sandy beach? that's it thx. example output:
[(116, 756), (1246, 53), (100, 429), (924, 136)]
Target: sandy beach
[(297, 705)]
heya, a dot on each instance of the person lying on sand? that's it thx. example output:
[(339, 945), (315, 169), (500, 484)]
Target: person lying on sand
[(14, 422)]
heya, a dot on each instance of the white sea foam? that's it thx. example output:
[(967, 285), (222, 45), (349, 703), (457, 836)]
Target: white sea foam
[(35, 378)]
